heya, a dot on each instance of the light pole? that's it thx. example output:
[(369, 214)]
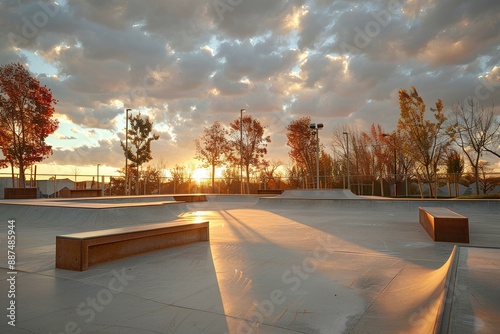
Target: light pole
[(98, 175), (395, 167), (348, 163), (126, 150), (316, 128), (241, 150)]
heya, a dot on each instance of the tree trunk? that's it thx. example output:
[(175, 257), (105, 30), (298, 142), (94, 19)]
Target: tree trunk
[(381, 186), (22, 173), (137, 183), (420, 186), (436, 183), (429, 181), (213, 179), (13, 178), (448, 183), (476, 174), (248, 178)]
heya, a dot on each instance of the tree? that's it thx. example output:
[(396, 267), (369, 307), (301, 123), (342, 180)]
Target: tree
[(213, 148), (454, 168), (253, 146), (295, 176), (269, 173), (326, 169), (178, 173), (302, 145), (140, 138), (423, 140), (475, 130), (150, 180), (487, 183), (383, 147), (26, 111)]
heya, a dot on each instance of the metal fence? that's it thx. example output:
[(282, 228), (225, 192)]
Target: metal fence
[(50, 185)]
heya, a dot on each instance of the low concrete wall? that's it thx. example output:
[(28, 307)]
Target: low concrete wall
[(444, 225), (79, 251), (69, 193), (20, 193), (190, 198)]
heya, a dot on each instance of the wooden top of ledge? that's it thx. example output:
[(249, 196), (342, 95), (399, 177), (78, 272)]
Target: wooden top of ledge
[(137, 228), (440, 212)]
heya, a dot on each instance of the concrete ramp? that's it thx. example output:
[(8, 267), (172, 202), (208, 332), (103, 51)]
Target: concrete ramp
[(413, 302), (319, 194), (83, 216), (473, 293)]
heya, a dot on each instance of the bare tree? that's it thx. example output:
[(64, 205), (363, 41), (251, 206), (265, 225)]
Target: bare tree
[(269, 172), (475, 130), (76, 171)]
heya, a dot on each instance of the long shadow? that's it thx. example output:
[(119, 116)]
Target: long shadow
[(262, 254), (269, 275), (174, 290)]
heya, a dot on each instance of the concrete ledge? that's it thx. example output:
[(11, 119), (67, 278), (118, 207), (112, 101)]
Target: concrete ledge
[(80, 193), (190, 198), (79, 251), (20, 193), (269, 191), (444, 225)]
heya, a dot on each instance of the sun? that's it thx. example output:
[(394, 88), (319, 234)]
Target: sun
[(200, 174)]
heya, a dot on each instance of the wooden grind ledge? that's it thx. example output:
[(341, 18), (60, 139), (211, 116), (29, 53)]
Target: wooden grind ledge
[(444, 225), (79, 251)]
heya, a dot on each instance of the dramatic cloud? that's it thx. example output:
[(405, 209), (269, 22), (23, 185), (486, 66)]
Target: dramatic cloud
[(189, 63)]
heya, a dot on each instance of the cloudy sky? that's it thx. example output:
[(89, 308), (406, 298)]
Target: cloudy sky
[(188, 63)]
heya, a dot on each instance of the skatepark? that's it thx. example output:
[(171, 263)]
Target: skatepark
[(301, 262)]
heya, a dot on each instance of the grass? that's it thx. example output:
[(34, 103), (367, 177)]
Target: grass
[(481, 196)]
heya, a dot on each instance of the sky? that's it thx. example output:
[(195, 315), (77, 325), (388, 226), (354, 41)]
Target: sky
[(189, 63)]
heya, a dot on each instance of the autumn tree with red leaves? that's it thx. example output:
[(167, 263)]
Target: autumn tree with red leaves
[(253, 146), (302, 145), (26, 111)]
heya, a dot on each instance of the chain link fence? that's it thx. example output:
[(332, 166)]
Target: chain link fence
[(53, 186)]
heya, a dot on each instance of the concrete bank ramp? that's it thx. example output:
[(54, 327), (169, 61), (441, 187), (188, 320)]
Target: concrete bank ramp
[(472, 304), (414, 302), (319, 194), (84, 216)]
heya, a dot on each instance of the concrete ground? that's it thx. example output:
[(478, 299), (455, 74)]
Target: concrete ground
[(336, 264)]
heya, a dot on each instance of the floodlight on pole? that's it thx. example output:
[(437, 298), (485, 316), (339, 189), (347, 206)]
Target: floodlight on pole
[(348, 162), (316, 127), (241, 150), (126, 150)]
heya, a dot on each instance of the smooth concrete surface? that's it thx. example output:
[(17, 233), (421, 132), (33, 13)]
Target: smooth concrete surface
[(286, 266), (475, 304)]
